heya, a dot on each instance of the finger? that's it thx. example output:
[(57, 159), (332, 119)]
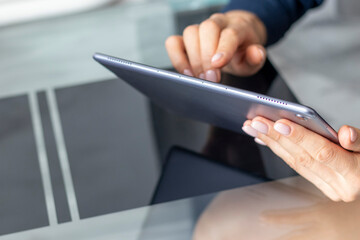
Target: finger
[(228, 44), (303, 158), (250, 61), (321, 149), (275, 146), (255, 56), (192, 46), (176, 51), (324, 187), (209, 33), (349, 138)]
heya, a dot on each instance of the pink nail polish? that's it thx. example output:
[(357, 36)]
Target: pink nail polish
[(188, 73), (202, 76), (211, 76), (353, 135), (258, 141), (260, 127), (282, 128), (217, 57), (250, 131)]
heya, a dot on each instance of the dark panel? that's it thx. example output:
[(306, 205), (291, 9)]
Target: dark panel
[(22, 202), (108, 154), (187, 174), (57, 181)]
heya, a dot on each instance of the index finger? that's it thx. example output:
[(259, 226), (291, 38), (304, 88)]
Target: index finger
[(209, 33)]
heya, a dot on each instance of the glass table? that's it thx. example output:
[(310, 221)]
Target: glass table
[(284, 209)]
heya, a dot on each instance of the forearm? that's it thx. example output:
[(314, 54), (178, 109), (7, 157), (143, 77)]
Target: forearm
[(277, 15)]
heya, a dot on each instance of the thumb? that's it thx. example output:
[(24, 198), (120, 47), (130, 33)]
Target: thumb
[(349, 138)]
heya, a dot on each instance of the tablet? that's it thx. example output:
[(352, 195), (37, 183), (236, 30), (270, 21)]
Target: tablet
[(214, 103)]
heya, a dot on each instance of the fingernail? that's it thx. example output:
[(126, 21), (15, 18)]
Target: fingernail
[(282, 128), (250, 131), (217, 57), (188, 72), (260, 127), (211, 76), (258, 141), (202, 76), (353, 135), (261, 52)]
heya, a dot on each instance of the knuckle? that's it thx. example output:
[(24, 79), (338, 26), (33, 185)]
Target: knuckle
[(232, 32), (192, 29), (276, 137), (217, 15), (325, 154), (209, 24), (304, 161), (298, 138)]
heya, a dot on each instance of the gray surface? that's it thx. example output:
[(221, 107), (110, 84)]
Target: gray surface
[(57, 181), (110, 146), (175, 220), (22, 202)]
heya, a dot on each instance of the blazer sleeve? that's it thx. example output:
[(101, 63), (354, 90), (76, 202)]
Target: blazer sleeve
[(277, 15)]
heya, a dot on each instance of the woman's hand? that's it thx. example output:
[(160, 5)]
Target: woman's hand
[(232, 41), (331, 168)]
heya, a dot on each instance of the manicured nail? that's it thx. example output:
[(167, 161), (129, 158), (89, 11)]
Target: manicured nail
[(261, 52), (258, 141), (353, 135), (260, 127), (202, 76), (250, 131), (217, 57), (188, 72), (211, 76), (282, 128)]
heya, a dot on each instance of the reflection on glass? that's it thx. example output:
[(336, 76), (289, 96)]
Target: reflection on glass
[(278, 210)]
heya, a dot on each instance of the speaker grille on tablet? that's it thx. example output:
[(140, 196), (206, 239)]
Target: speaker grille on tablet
[(119, 61), (271, 100)]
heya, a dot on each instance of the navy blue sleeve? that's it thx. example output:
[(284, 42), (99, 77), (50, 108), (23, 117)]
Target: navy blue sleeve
[(277, 15)]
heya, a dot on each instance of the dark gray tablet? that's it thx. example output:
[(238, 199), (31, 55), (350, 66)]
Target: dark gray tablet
[(215, 103)]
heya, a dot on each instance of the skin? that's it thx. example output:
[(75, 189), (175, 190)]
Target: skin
[(252, 213), (231, 42), (327, 220), (334, 169)]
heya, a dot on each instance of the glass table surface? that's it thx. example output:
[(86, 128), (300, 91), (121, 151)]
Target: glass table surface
[(290, 208)]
